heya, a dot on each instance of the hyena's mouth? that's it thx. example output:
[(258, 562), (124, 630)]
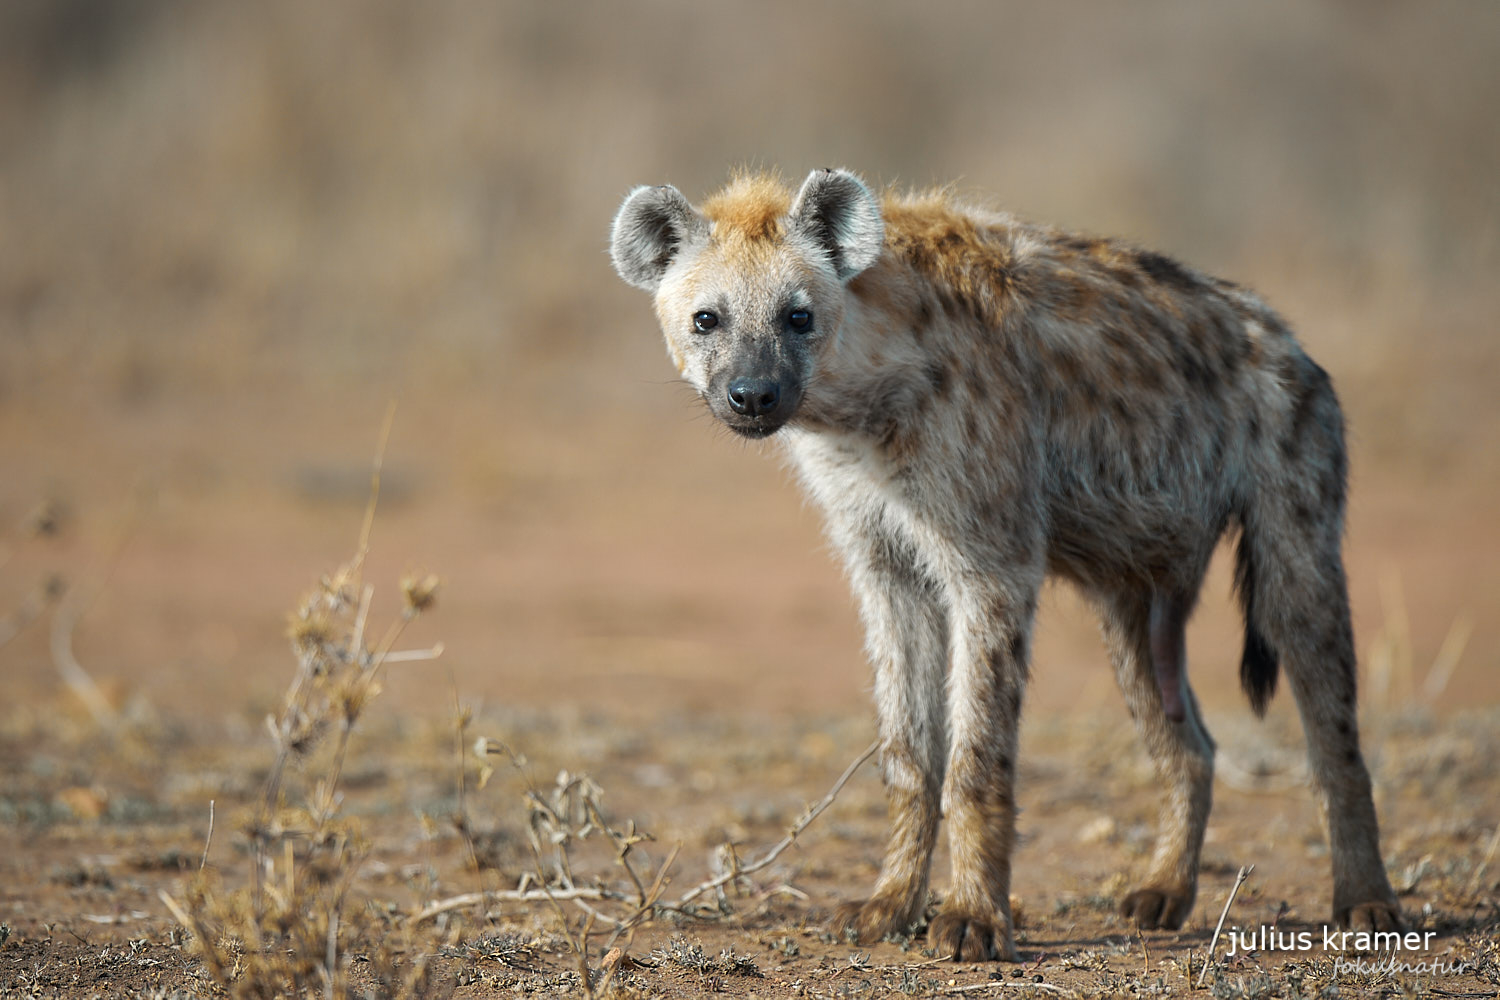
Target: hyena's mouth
[(760, 428)]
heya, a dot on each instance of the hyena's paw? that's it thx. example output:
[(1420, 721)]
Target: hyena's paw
[(870, 920), (1379, 915), (965, 936), (1152, 908)]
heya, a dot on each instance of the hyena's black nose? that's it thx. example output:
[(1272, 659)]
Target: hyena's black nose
[(754, 397)]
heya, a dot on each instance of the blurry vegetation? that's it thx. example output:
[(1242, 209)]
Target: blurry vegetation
[(204, 196), (232, 230)]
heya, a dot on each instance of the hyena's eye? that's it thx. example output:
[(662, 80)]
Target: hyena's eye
[(800, 319), (705, 321)]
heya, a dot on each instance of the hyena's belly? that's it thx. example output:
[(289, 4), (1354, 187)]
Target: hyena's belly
[(1102, 540)]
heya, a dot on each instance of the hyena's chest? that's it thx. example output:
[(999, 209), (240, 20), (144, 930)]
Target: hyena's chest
[(851, 478)]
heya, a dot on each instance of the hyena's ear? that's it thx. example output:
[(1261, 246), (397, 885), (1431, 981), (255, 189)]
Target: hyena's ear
[(651, 227), (836, 209)]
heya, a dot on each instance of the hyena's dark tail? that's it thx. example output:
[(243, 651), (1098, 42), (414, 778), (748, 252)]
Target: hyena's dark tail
[(1258, 666)]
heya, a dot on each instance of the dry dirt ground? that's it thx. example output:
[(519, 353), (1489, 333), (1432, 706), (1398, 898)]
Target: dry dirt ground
[(663, 699), (98, 825)]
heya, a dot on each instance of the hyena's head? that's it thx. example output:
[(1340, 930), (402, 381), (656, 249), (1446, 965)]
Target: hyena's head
[(749, 288)]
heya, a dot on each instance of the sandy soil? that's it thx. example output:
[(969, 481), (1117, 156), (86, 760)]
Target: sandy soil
[(707, 714)]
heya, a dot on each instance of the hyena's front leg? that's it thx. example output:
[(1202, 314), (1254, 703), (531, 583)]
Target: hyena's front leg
[(991, 635), (906, 631)]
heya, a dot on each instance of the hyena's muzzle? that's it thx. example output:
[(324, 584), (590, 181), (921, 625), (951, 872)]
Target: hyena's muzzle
[(756, 392)]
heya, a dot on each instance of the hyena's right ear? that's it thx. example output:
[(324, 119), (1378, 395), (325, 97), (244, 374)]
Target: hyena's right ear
[(651, 227)]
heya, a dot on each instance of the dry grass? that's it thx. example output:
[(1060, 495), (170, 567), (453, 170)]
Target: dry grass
[(293, 931)]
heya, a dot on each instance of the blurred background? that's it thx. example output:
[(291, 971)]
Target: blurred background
[(231, 233)]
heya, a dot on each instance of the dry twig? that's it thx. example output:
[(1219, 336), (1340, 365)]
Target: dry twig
[(208, 840), (64, 621), (1015, 984), (787, 841), (647, 900), (1208, 959), (515, 896), (74, 605)]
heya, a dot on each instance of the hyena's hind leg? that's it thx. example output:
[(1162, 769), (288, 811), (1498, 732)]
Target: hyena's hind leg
[(1136, 626), (907, 635), (1293, 584)]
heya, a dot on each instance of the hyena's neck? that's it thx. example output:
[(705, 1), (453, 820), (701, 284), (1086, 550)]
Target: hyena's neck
[(887, 361)]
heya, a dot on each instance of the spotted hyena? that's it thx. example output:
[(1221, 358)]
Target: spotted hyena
[(977, 402)]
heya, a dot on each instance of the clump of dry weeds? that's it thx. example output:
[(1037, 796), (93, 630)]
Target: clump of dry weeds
[(293, 930)]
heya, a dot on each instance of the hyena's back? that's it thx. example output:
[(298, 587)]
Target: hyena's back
[(1154, 400)]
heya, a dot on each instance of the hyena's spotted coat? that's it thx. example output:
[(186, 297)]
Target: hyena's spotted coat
[(976, 403)]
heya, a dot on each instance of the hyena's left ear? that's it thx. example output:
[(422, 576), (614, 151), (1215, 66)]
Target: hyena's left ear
[(651, 228), (836, 209)]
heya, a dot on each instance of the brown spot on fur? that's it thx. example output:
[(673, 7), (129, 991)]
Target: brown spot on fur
[(940, 379), (1194, 367), (1077, 244), (1066, 368), (751, 206), (1071, 296), (977, 383), (1117, 338), (1150, 378), (1167, 271), (1254, 353), (971, 426), (979, 787), (1306, 394), (900, 445)]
